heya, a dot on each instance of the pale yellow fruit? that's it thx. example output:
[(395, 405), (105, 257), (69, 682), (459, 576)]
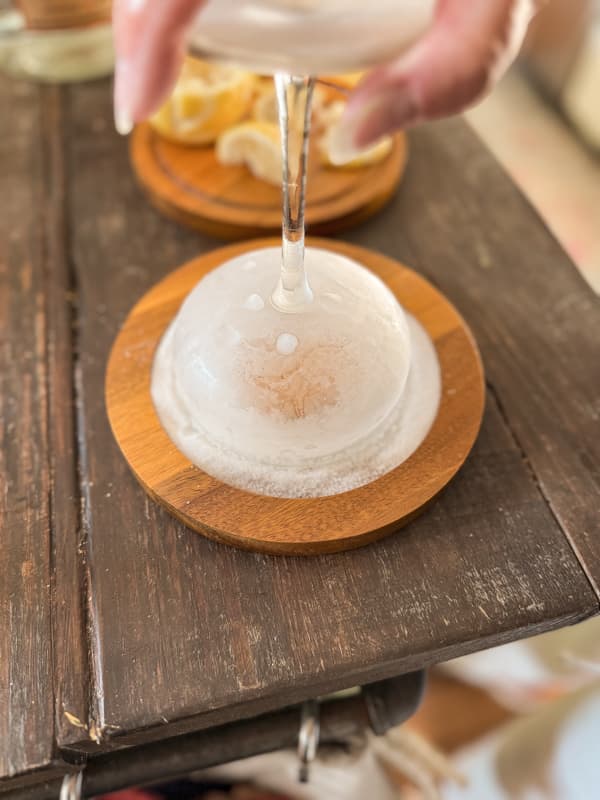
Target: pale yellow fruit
[(348, 80), (328, 118), (207, 99), (329, 114), (264, 108), (336, 87), (371, 155), (254, 144)]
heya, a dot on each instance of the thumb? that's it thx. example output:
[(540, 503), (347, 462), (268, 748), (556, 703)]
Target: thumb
[(465, 51)]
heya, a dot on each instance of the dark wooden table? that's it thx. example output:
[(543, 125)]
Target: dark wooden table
[(119, 626)]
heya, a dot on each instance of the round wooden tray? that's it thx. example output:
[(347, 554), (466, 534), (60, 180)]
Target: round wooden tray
[(306, 526), (189, 185)]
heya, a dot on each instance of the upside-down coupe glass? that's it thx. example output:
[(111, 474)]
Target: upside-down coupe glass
[(294, 371)]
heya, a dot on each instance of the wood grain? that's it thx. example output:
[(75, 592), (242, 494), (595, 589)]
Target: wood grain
[(190, 186), (536, 320), (182, 632), (187, 632), (297, 527), (69, 650), (47, 685), (26, 693)]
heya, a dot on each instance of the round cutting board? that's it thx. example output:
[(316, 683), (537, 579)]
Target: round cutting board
[(305, 526), (189, 185)]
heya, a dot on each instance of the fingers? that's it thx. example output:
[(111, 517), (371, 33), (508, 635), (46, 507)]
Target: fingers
[(149, 43), (469, 45)]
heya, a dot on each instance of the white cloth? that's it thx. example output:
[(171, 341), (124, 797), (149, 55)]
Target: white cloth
[(334, 775)]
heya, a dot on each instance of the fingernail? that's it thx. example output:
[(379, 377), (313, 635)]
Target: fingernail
[(123, 116), (123, 121), (363, 126)]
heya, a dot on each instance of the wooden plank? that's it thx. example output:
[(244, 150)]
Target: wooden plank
[(466, 226), (34, 784), (38, 225), (68, 596), (186, 632), (26, 695)]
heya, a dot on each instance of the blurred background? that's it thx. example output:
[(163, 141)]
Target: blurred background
[(543, 123)]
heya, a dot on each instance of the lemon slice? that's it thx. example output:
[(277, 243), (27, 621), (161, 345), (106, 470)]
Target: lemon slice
[(264, 108), (328, 118), (346, 81), (256, 145), (329, 114), (336, 87), (207, 99)]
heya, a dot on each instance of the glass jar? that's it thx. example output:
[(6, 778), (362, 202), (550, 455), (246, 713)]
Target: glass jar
[(56, 40)]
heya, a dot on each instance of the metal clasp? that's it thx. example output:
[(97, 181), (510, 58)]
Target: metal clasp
[(308, 738)]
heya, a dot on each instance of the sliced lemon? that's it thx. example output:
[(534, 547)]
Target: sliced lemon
[(329, 117), (347, 81), (256, 145), (207, 99), (373, 154), (264, 108), (329, 114), (335, 87)]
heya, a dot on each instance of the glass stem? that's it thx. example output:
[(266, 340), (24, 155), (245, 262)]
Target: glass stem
[(294, 95)]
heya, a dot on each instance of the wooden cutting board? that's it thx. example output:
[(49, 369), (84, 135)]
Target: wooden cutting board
[(189, 185)]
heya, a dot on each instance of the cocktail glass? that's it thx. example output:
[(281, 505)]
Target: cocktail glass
[(293, 371)]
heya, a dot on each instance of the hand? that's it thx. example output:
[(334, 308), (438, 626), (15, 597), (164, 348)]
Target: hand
[(149, 46), (469, 46)]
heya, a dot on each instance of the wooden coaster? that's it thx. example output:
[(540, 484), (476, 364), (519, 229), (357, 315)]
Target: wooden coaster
[(306, 526), (189, 185)]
